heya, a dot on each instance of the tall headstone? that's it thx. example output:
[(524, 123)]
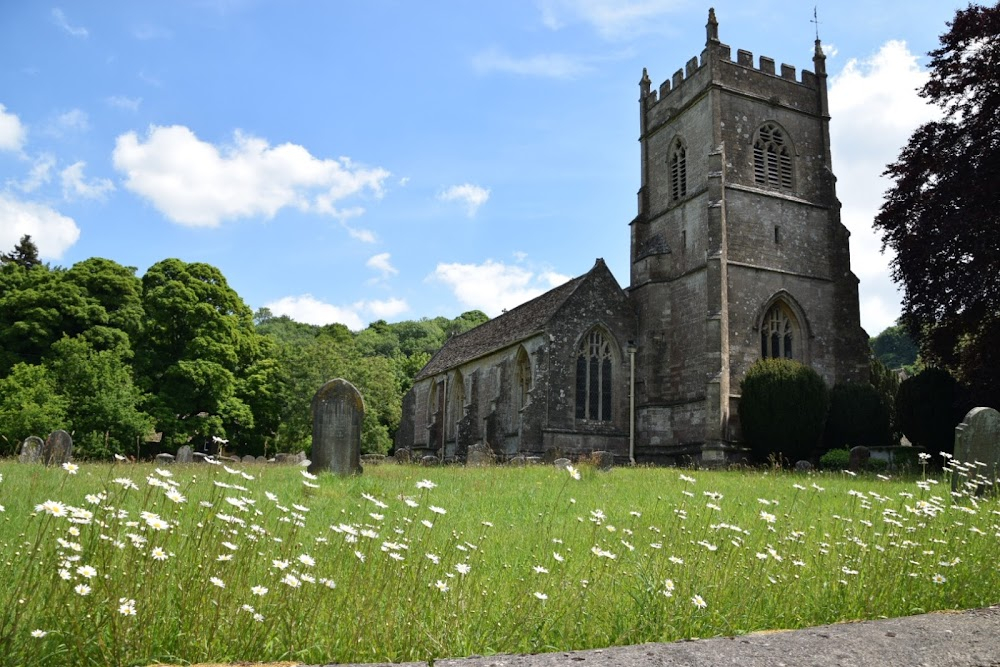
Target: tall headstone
[(977, 445), (185, 454), (338, 411), (58, 448), (31, 450)]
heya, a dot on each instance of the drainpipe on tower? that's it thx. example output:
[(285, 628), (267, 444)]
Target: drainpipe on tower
[(631, 402)]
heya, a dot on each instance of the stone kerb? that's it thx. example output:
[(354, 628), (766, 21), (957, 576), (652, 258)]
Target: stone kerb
[(338, 411), (977, 441)]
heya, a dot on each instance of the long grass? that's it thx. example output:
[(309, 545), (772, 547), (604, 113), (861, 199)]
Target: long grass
[(131, 565)]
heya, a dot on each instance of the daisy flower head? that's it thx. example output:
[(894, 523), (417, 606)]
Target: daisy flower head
[(573, 472), (540, 570), (52, 507), (541, 596), (291, 581), (159, 554), (217, 582), (71, 468), (938, 579), (441, 586), (306, 560), (175, 495), (82, 589), (436, 510), (426, 484), (463, 568), (699, 602), (86, 571), (259, 590), (126, 607), (38, 634)]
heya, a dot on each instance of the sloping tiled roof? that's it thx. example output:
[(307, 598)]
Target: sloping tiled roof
[(510, 327)]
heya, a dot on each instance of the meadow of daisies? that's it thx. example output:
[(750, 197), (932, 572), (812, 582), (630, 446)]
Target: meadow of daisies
[(134, 564)]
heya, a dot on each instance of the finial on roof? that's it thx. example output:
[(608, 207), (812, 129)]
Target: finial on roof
[(712, 27), (815, 20), (644, 83)]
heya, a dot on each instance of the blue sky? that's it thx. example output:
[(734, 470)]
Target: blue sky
[(356, 160)]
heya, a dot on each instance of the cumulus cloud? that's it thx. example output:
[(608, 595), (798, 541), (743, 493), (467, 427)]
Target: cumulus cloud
[(125, 102), (74, 119), (552, 65), (472, 196), (381, 263), (612, 19), (75, 186), (875, 108), (39, 174), (494, 286), (51, 231), (12, 132), (310, 310), (59, 17), (198, 184)]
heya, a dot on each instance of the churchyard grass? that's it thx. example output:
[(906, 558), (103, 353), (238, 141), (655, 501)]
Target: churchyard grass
[(134, 564)]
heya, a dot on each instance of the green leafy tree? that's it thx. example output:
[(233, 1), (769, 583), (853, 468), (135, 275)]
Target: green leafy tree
[(895, 348), (886, 384), (102, 403), (783, 406), (927, 410), (940, 216), (24, 254), (197, 340), (30, 405)]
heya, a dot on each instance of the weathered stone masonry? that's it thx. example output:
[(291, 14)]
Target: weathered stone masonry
[(737, 252)]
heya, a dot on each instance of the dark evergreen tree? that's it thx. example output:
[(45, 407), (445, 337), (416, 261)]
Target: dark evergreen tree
[(25, 254), (942, 215)]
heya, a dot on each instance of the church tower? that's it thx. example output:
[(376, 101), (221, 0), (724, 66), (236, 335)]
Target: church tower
[(737, 251)]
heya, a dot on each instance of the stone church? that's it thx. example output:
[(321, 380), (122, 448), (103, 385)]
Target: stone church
[(737, 253)]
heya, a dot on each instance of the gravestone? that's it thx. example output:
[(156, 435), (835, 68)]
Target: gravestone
[(165, 458), (31, 450), (58, 448), (249, 458), (184, 454), (260, 459), (430, 460), (281, 457), (338, 411), (403, 455), (518, 461), (551, 454), (199, 456), (859, 457), (479, 455), (603, 460), (561, 462), (803, 466), (977, 441)]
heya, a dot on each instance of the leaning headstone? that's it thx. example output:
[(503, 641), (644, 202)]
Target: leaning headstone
[(803, 466), (561, 463), (859, 458), (403, 455), (338, 411), (977, 445), (281, 457), (602, 460), (165, 458), (533, 460), (31, 450), (184, 454), (479, 454), (430, 460), (199, 457), (299, 458), (58, 448)]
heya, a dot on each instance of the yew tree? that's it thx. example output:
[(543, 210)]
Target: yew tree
[(942, 214)]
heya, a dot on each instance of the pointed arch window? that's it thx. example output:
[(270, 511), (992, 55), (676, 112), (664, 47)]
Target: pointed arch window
[(772, 158), (594, 378), (778, 333), (678, 170), (523, 379)]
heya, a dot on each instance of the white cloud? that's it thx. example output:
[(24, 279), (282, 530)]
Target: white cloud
[(74, 119), (39, 174), (612, 19), (125, 102), (553, 65), (387, 308), (357, 233), (472, 195), (307, 308), (74, 185), (874, 108), (494, 286), (60, 20), (195, 183), (51, 231), (12, 132), (381, 263)]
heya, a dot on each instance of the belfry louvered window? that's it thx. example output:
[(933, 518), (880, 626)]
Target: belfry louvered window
[(772, 158), (593, 378), (678, 170)]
